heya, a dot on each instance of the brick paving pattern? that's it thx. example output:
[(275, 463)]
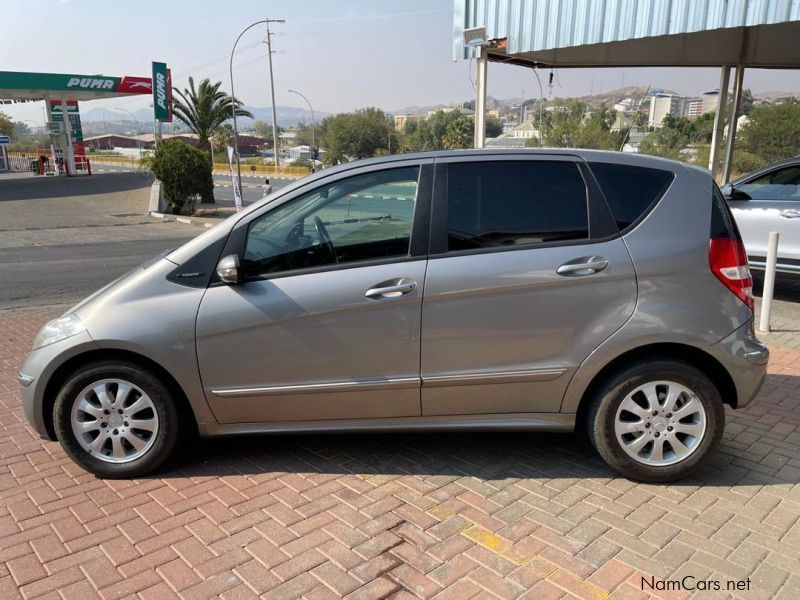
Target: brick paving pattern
[(401, 516)]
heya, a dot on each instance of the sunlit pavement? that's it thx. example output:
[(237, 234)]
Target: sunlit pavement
[(445, 516)]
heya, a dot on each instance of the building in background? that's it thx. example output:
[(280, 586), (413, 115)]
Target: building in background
[(694, 107), (663, 105), (710, 101), (401, 120)]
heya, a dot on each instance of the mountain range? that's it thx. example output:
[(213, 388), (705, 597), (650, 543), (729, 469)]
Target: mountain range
[(288, 116)]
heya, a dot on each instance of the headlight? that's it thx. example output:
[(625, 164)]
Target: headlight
[(57, 330)]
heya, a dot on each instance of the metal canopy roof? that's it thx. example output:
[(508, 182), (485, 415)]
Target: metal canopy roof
[(635, 33), (29, 87)]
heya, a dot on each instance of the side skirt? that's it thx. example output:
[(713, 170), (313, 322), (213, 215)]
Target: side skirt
[(502, 422)]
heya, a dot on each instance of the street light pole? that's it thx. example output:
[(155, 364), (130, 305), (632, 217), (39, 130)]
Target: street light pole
[(233, 96), (272, 93), (313, 127)]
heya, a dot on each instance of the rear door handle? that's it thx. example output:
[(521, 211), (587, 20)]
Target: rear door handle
[(391, 289), (583, 266), (790, 213)]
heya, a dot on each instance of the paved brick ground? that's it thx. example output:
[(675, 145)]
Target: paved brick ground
[(444, 516)]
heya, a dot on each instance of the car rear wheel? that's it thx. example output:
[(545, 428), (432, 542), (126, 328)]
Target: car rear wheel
[(116, 420), (657, 421)]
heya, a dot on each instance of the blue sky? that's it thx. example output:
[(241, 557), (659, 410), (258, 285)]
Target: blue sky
[(342, 54)]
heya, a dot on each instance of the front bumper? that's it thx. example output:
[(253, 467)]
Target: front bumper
[(36, 371), (745, 358)]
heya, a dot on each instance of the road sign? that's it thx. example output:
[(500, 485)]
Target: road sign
[(4, 140)]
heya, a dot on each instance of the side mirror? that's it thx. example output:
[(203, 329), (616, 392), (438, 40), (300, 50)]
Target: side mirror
[(228, 269), (731, 193)]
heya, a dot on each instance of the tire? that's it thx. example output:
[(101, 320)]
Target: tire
[(124, 440), (686, 441)]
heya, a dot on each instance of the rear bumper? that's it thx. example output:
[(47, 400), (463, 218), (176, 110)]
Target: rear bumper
[(745, 358)]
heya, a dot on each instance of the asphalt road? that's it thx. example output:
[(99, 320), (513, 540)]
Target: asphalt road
[(60, 240), (64, 274)]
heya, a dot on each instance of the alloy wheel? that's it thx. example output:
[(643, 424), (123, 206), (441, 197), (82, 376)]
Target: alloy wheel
[(660, 423), (114, 421)]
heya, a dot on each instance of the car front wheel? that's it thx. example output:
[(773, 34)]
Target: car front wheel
[(657, 421), (116, 420)]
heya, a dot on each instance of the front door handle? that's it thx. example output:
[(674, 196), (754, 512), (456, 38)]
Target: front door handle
[(583, 266), (391, 289), (790, 213)]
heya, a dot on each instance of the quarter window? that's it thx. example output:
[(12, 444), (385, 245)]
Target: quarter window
[(510, 203), (360, 218), (630, 191)]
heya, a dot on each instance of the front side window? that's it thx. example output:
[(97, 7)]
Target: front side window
[(365, 217), (509, 203), (782, 184)]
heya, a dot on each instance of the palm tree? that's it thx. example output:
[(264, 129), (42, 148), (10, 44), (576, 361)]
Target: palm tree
[(458, 134), (205, 109)]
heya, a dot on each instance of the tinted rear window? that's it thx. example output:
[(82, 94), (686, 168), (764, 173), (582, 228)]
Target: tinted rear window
[(630, 191), (507, 203), (723, 224)]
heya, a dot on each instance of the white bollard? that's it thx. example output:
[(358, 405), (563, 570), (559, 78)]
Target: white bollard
[(769, 281)]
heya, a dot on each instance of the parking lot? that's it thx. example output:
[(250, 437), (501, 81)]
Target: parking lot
[(368, 516)]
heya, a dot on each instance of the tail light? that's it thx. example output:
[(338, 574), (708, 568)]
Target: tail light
[(728, 262)]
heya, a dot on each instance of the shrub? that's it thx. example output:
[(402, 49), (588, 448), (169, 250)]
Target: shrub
[(184, 174)]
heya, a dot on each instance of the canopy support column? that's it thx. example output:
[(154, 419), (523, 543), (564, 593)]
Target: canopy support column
[(719, 122), (69, 155), (731, 140), (480, 100)]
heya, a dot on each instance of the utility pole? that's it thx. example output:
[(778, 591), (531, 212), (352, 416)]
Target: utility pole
[(272, 93), (233, 95)]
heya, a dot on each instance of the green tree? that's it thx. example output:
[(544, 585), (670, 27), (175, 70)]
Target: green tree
[(222, 137), (459, 133), (359, 134), (666, 142), (430, 133), (264, 130), (493, 127), (183, 172), (772, 132), (20, 130), (205, 108), (572, 125), (304, 135), (6, 124), (678, 134)]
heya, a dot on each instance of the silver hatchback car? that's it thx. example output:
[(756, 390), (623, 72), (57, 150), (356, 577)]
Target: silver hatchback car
[(535, 290), (764, 201)]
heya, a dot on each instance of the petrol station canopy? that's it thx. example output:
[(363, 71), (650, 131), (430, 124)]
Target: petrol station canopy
[(31, 87), (634, 33), (554, 34)]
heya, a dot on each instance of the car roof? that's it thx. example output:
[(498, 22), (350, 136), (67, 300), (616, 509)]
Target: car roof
[(626, 158)]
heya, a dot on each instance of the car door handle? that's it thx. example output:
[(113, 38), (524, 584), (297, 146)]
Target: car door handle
[(583, 266), (391, 289), (790, 213)]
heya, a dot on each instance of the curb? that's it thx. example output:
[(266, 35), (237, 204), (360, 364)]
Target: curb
[(185, 220)]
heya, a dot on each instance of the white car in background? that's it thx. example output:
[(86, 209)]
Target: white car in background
[(764, 201)]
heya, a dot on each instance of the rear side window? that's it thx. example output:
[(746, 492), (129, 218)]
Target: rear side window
[(509, 203), (630, 191), (723, 224)]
